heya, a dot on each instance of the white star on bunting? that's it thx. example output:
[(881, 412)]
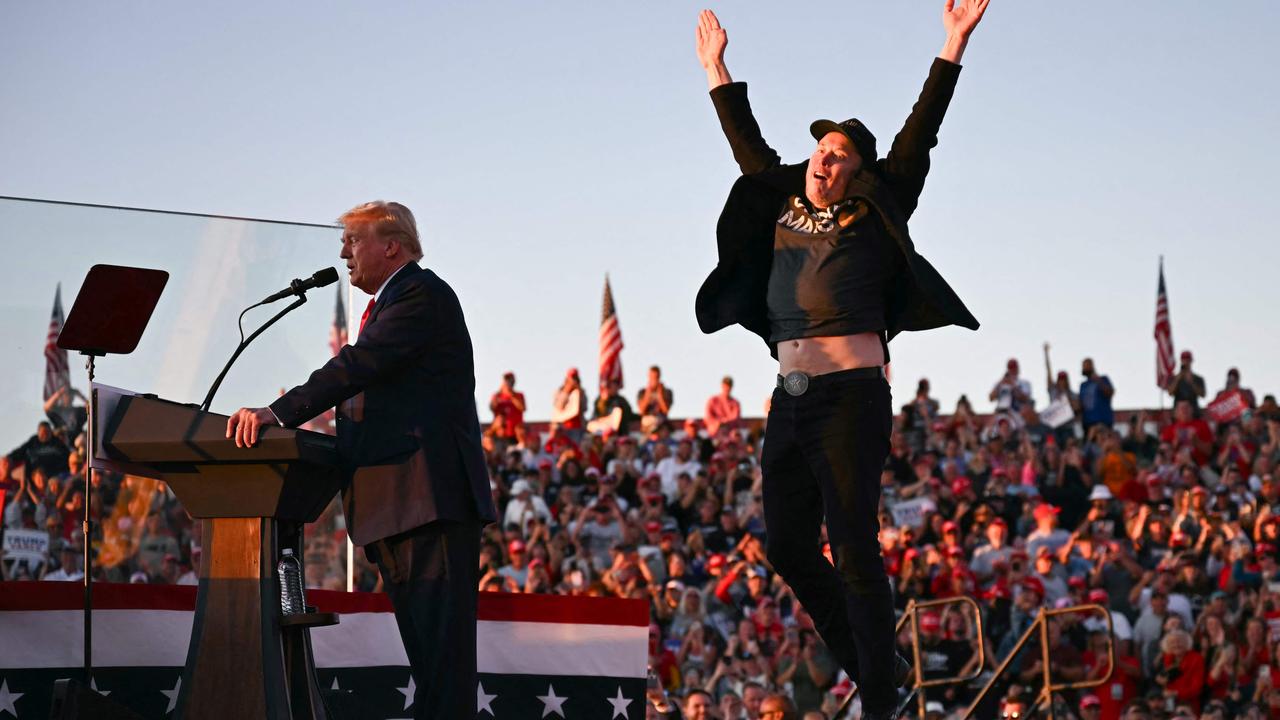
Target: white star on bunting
[(483, 700), (619, 704), (172, 695), (334, 686), (551, 703), (8, 699), (93, 685), (408, 692)]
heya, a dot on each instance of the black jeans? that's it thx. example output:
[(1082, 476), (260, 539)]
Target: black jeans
[(823, 453), (431, 576)]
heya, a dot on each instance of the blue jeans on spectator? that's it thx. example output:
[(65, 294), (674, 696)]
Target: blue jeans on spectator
[(823, 454)]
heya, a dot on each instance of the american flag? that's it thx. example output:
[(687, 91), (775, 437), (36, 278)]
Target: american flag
[(56, 372), (610, 339), (338, 332), (1164, 335)]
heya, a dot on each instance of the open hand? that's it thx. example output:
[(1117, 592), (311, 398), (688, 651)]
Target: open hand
[(711, 40), (960, 20), (244, 423)]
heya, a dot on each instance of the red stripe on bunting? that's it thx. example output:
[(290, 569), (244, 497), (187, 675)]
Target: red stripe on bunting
[(492, 607)]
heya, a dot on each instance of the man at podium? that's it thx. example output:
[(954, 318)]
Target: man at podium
[(417, 488)]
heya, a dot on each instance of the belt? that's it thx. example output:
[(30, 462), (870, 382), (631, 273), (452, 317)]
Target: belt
[(797, 383)]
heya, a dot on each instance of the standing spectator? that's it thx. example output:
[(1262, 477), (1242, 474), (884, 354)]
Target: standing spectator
[(68, 419), (68, 567), (994, 551), (1186, 385), (509, 405), (517, 570), (1180, 672), (42, 451), (569, 406), (525, 505), (1188, 431), (723, 410), (10, 492), (670, 468), (1047, 532), (1059, 386), (1011, 392), (597, 529), (1095, 397), (1233, 388), (653, 402)]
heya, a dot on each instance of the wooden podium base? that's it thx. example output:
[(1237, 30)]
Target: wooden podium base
[(243, 660)]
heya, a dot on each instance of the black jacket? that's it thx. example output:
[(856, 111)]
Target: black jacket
[(408, 434), (736, 289)]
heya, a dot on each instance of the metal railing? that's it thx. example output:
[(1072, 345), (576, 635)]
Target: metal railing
[(1040, 627), (912, 613)]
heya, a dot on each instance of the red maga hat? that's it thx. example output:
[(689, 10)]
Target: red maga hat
[(1046, 510), (1034, 585)]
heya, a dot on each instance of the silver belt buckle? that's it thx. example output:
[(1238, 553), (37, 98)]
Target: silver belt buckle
[(795, 383)]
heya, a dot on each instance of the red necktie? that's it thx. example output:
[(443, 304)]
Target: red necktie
[(365, 317)]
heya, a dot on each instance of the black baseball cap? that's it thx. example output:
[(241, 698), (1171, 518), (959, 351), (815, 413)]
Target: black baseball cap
[(853, 129)]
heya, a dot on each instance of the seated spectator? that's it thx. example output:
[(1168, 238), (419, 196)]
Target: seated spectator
[(569, 406), (653, 402), (612, 411), (723, 411)]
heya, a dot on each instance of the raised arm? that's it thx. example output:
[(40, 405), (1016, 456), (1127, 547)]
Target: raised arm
[(751, 152), (711, 42), (959, 23), (907, 162)]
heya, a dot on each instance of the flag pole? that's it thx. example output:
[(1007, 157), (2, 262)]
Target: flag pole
[(1161, 391)]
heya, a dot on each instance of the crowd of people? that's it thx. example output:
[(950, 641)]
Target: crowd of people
[(1167, 520)]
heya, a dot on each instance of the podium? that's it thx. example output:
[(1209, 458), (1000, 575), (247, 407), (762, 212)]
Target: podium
[(246, 659)]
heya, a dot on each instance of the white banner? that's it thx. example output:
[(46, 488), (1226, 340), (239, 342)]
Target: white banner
[(912, 512), (1058, 413), (30, 545)]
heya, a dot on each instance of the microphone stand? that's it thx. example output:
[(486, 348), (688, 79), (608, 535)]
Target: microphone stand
[(208, 399)]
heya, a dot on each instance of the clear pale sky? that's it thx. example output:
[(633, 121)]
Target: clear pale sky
[(544, 144)]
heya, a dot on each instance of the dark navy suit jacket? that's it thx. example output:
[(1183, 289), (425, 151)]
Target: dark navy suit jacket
[(408, 434)]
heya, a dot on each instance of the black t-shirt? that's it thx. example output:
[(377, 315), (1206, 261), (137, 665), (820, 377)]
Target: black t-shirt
[(1187, 390), (827, 279), (49, 456), (945, 658)]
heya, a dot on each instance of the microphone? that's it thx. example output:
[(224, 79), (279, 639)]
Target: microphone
[(327, 276)]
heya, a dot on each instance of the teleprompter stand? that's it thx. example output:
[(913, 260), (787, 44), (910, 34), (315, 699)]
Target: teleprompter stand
[(110, 312)]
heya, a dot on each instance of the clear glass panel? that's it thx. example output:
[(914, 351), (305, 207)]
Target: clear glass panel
[(217, 266)]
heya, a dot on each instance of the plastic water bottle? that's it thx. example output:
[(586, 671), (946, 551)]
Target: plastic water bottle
[(289, 573)]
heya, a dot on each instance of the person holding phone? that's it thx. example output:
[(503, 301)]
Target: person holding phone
[(1180, 672), (817, 260)]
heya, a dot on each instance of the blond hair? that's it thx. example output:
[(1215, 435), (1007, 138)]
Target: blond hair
[(388, 220)]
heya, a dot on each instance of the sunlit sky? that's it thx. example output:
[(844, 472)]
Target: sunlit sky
[(543, 145)]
